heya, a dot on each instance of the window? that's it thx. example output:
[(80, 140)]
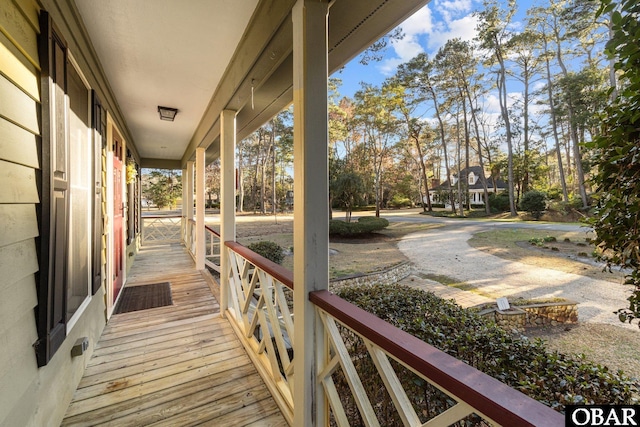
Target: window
[(66, 213), (472, 178), (80, 193)]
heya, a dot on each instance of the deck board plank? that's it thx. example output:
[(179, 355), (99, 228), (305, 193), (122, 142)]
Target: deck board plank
[(177, 365)]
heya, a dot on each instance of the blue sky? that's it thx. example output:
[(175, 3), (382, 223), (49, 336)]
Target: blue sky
[(426, 31)]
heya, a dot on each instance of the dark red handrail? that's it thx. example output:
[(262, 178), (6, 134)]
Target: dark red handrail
[(494, 399), (277, 271), (211, 230)]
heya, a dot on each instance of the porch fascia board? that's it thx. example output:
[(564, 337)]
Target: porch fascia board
[(268, 67), (267, 18), (161, 164)]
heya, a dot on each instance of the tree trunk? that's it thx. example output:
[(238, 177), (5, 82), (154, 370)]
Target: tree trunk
[(460, 204), (573, 133), (467, 138), (502, 88), (485, 189), (525, 113), (240, 188), (423, 168), (554, 125), (444, 147), (274, 204)]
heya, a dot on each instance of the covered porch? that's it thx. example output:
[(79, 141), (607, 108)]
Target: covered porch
[(187, 364), (296, 337), (179, 364)]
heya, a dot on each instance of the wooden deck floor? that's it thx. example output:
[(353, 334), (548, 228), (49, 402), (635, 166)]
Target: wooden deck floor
[(179, 365)]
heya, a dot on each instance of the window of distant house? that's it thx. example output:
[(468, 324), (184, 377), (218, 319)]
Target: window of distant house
[(472, 178)]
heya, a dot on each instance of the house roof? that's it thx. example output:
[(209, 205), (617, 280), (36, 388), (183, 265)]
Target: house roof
[(203, 57), (476, 170)]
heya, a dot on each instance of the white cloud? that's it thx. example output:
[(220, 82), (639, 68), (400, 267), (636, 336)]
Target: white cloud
[(388, 66), (449, 9), (409, 46), (431, 30), (463, 28), (491, 103), (420, 22)]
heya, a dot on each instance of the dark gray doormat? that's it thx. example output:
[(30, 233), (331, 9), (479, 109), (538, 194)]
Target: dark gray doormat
[(143, 297)]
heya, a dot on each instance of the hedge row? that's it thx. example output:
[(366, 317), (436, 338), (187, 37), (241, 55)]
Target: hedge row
[(550, 377), (364, 225), (270, 250)]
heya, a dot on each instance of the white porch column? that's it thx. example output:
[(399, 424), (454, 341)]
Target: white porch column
[(200, 243), (228, 199), (188, 184), (311, 203)]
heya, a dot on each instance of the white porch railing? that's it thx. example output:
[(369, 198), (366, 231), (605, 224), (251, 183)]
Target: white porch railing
[(190, 237), (212, 248), (212, 244), (161, 228), (260, 312)]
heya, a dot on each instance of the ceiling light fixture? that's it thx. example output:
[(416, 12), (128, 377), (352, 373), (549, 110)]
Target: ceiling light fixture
[(167, 113)]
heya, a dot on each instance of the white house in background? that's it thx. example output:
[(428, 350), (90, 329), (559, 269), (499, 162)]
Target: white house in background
[(472, 176)]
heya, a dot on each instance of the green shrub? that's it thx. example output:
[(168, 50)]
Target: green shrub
[(364, 225), (499, 202), (554, 193), (270, 250), (399, 201), (552, 378), (534, 202)]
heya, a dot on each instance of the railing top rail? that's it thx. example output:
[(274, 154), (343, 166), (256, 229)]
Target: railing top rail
[(493, 398), (160, 216), (212, 231), (280, 273)]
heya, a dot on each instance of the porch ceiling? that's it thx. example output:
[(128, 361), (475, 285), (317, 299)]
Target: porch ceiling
[(203, 56)]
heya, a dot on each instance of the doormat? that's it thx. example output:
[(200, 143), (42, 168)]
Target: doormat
[(143, 297)]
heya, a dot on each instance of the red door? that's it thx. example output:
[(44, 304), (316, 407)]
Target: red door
[(117, 219)]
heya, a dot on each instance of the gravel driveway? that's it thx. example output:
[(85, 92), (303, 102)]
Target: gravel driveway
[(446, 251)]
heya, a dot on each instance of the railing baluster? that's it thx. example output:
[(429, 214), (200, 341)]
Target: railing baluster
[(259, 301), (393, 385), (454, 414), (161, 229), (353, 379)]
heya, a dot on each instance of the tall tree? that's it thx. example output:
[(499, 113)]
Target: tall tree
[(568, 22), (457, 57), (379, 126), (493, 36), (404, 103), (523, 55), (417, 75), (538, 20)]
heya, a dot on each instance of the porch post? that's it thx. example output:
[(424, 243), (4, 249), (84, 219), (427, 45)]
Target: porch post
[(200, 244), (228, 199), (189, 202), (311, 204)]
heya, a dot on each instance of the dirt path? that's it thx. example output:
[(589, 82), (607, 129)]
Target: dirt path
[(445, 251)]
